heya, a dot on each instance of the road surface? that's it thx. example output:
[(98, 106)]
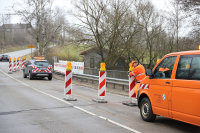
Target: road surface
[(37, 106), (20, 53)]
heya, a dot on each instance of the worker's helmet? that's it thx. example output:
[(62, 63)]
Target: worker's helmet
[(133, 62)]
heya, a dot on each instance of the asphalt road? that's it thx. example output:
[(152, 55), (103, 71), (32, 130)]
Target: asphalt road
[(30, 106), (20, 53)]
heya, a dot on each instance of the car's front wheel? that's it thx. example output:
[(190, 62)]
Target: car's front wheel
[(30, 76), (24, 75), (146, 110)]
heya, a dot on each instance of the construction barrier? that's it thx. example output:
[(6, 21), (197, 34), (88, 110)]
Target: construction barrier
[(17, 67), (10, 65), (77, 67), (14, 64), (23, 62), (132, 85), (102, 85), (68, 83)]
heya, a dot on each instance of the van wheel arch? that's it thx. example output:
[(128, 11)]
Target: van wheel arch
[(146, 111), (141, 97)]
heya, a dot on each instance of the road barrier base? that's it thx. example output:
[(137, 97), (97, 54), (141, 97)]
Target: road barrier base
[(70, 99), (128, 103), (99, 100), (9, 72)]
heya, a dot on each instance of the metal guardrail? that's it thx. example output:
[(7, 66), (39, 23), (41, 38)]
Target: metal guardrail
[(114, 81), (110, 73)]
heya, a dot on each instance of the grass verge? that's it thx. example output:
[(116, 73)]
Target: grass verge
[(68, 52)]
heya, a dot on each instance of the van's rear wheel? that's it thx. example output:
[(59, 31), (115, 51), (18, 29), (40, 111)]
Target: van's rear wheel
[(146, 110)]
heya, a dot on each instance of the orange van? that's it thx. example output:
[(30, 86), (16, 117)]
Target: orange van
[(172, 88)]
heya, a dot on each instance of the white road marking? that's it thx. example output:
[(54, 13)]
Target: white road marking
[(76, 107), (123, 126), (88, 112), (104, 118)]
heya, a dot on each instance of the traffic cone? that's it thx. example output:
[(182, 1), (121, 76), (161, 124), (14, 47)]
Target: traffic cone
[(102, 85), (10, 66), (68, 83)]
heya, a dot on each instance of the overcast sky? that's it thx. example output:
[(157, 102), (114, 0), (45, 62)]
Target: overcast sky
[(5, 6)]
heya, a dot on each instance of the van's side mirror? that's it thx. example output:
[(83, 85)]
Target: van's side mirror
[(149, 73)]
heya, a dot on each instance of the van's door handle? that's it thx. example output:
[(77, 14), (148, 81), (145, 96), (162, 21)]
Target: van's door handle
[(167, 82)]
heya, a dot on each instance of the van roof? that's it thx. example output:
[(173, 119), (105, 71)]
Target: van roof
[(185, 52)]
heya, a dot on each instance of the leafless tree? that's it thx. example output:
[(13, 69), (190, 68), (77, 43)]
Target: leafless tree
[(110, 25), (131, 29), (192, 8), (91, 12), (176, 18), (4, 18), (40, 15), (152, 31)]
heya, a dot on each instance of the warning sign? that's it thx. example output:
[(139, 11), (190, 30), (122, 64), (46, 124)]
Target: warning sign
[(30, 46)]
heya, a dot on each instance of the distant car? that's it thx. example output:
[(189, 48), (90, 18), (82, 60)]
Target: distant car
[(37, 68), (4, 57)]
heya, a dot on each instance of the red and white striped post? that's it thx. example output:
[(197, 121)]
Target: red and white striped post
[(102, 85), (68, 83), (23, 62), (14, 64), (17, 64), (132, 85), (10, 66)]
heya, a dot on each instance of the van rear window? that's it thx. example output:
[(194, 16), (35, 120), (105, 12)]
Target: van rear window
[(189, 67)]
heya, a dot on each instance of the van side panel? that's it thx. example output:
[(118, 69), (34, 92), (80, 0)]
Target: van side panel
[(186, 100), (186, 118), (158, 88)]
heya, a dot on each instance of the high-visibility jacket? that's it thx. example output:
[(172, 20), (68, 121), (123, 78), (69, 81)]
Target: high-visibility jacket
[(139, 73)]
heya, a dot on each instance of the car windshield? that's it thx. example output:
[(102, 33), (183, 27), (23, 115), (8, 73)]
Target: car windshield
[(42, 63)]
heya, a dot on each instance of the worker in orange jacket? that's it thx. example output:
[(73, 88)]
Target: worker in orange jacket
[(138, 72)]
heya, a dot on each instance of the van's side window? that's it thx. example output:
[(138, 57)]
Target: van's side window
[(189, 67), (164, 69), (195, 68)]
